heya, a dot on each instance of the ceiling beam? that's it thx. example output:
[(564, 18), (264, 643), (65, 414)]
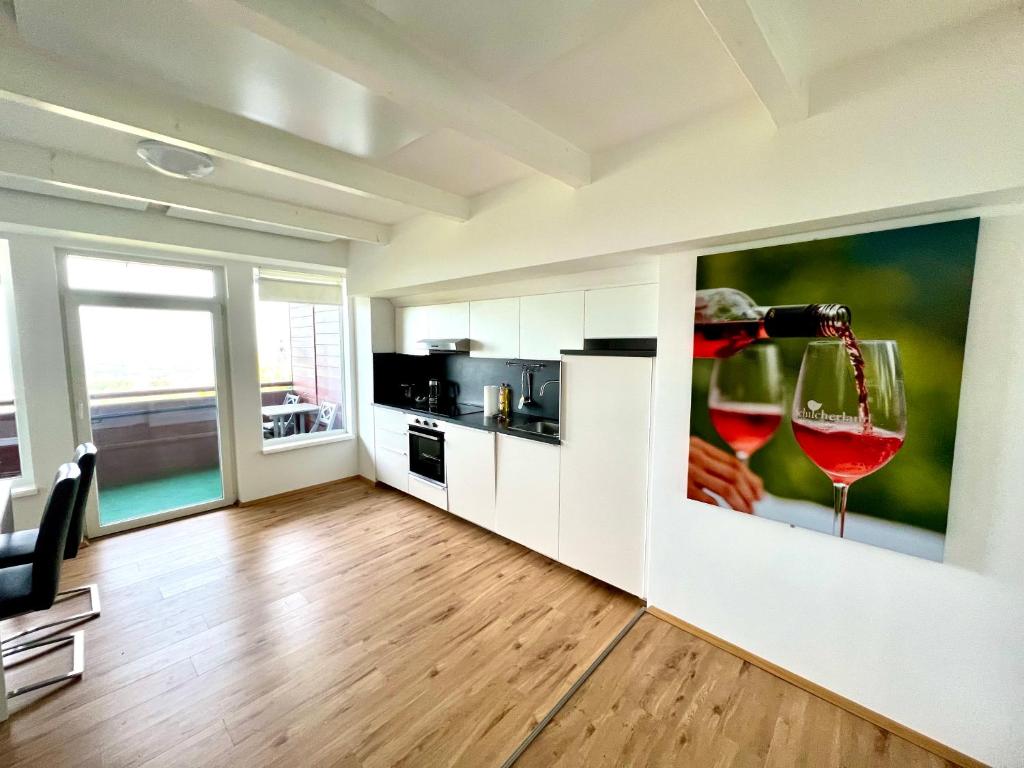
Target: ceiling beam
[(359, 43), (74, 222), (757, 42), (30, 77), (67, 170)]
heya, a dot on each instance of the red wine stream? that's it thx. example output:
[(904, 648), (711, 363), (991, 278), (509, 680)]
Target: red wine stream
[(857, 360)]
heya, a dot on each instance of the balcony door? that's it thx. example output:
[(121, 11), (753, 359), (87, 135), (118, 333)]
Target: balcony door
[(149, 387)]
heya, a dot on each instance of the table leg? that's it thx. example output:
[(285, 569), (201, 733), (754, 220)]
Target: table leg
[(277, 426), (302, 423)]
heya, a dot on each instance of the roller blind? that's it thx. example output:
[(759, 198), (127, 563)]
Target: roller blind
[(299, 287)]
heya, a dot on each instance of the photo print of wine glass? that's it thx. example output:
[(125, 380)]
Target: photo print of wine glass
[(827, 374)]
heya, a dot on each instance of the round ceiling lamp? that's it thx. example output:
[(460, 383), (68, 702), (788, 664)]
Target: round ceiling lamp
[(177, 162)]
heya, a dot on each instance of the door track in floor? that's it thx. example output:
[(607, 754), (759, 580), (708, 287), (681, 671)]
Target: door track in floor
[(539, 728)]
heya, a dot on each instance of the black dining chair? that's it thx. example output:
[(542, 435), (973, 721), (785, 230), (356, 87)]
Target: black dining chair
[(18, 548), (33, 586)]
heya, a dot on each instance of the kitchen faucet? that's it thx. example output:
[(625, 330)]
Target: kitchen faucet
[(545, 386)]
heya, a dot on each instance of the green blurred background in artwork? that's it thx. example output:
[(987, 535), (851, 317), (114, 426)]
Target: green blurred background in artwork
[(912, 285)]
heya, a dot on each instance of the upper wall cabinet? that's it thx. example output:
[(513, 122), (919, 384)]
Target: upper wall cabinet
[(438, 321), (550, 323), (494, 328), (411, 325), (449, 321), (617, 313)]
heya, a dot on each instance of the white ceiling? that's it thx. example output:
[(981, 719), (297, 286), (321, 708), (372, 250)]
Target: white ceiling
[(833, 32), (600, 74)]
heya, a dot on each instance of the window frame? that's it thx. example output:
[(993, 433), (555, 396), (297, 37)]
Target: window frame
[(271, 445)]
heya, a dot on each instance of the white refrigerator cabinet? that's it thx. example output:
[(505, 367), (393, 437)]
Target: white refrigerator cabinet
[(603, 489)]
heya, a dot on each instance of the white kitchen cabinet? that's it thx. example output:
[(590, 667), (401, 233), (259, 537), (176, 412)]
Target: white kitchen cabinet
[(428, 491), (411, 325), (605, 434), (393, 467), (469, 467), (549, 323), (620, 313), (526, 508), (494, 328), (391, 448), (449, 321)]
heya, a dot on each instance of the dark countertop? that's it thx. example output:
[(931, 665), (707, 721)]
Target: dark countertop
[(479, 421)]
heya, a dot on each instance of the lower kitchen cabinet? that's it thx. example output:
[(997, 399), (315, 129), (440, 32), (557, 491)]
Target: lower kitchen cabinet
[(606, 433), (527, 493), (469, 467), (391, 448), (432, 493), (392, 467)]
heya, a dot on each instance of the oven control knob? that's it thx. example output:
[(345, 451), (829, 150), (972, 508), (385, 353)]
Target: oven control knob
[(417, 421), (434, 424)]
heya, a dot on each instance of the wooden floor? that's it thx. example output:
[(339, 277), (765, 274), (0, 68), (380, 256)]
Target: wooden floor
[(666, 698), (354, 626), (348, 627)]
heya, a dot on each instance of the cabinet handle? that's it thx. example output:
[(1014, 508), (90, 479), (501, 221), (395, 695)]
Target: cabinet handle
[(394, 450)]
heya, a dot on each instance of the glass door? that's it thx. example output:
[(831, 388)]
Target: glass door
[(147, 374)]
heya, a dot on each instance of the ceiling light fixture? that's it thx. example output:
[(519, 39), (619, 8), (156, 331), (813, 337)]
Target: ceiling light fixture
[(178, 162)]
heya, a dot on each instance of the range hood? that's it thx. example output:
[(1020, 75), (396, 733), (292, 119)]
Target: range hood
[(445, 346)]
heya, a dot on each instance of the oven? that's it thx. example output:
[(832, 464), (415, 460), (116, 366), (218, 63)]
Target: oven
[(426, 451)]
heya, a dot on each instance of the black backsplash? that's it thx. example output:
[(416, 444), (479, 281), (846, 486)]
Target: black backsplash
[(465, 377)]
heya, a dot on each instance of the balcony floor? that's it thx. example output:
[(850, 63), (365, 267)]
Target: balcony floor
[(127, 502)]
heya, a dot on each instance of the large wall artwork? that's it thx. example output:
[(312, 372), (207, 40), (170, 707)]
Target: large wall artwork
[(826, 382)]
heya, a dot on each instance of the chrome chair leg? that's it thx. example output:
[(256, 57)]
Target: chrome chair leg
[(77, 642), (94, 610)]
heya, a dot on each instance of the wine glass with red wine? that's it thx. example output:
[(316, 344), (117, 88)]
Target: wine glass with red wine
[(746, 398), (849, 411)]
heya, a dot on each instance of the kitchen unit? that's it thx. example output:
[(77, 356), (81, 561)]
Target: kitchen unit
[(579, 496)]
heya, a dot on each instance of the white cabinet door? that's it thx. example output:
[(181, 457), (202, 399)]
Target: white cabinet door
[(622, 313), (449, 321), (411, 325), (527, 493), (550, 323), (494, 328), (604, 458), (469, 467), (393, 467), (391, 447), (428, 491)]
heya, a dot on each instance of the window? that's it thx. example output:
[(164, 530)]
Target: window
[(10, 447), (89, 273), (300, 332)]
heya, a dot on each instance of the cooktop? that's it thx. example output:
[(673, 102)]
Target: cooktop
[(447, 409)]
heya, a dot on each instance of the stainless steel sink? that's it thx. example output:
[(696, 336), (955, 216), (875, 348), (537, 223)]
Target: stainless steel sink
[(547, 428)]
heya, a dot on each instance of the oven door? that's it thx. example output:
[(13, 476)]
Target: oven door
[(426, 454)]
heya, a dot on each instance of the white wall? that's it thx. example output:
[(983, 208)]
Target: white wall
[(935, 646), (47, 398), (929, 129), (374, 331)]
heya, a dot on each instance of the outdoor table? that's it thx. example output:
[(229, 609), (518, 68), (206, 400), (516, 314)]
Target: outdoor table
[(280, 414)]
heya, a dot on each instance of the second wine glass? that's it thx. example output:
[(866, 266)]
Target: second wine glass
[(746, 398)]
